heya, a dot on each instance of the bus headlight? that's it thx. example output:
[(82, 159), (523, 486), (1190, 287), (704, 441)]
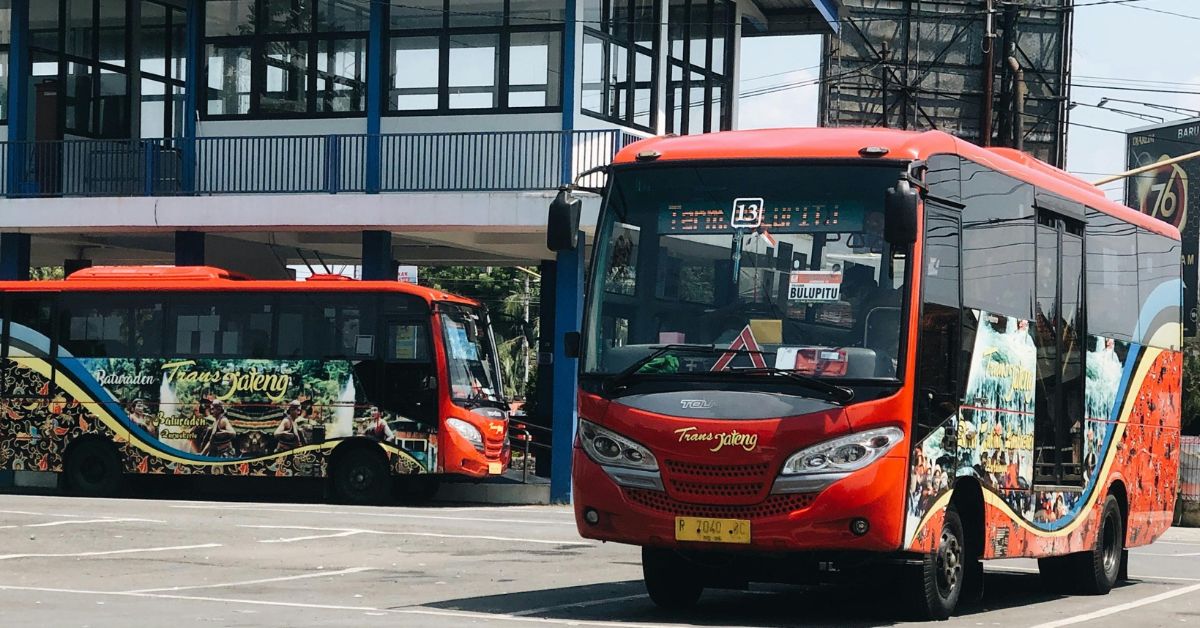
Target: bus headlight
[(624, 461), (467, 431), (607, 447), (813, 468)]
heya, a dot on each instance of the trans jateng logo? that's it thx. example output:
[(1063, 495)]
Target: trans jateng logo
[(718, 440)]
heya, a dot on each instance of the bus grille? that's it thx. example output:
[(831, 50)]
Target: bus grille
[(492, 447), (772, 506), (741, 484)]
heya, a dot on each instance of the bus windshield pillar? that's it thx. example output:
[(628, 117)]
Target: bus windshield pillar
[(377, 256), (567, 312), (189, 248), (14, 256)]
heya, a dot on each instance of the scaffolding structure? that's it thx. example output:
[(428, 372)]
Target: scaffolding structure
[(994, 72)]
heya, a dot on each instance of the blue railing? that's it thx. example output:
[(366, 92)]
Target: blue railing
[(417, 162)]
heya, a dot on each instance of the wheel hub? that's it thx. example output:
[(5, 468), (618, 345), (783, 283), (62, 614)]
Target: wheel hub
[(949, 564)]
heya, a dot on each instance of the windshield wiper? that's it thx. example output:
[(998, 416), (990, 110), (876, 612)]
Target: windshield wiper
[(839, 394), (621, 378)]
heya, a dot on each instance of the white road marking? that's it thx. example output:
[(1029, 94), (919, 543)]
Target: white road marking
[(111, 552), (395, 515), (1174, 543), (433, 612), (222, 585), (584, 604), (1120, 608), (85, 521), (38, 514), (1134, 576), (342, 532), (1167, 555)]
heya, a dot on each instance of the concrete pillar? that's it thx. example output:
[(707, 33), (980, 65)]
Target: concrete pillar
[(189, 248), (377, 256), (14, 256), (545, 361), (377, 68), (568, 310)]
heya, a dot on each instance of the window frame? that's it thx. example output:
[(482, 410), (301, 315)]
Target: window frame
[(605, 33), (258, 41), (710, 77), (503, 88)]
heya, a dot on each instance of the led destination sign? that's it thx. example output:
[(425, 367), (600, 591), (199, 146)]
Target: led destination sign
[(694, 218)]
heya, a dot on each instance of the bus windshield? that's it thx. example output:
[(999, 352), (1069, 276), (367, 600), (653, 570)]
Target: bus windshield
[(470, 356), (770, 268)]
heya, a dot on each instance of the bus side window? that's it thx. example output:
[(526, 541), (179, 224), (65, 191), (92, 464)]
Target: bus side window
[(232, 324), (30, 332), (940, 322)]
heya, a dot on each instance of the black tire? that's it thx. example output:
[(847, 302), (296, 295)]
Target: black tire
[(672, 582), (1100, 569), (1094, 572), (360, 476), (937, 583), (93, 468)]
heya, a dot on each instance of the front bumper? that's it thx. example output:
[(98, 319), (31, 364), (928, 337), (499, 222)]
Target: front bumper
[(786, 522)]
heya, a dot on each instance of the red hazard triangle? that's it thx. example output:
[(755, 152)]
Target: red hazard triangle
[(744, 342)]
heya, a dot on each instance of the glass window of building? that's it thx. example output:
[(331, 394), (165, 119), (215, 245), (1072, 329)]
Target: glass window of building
[(5, 42), (286, 57), (700, 57), (475, 55), (619, 75)]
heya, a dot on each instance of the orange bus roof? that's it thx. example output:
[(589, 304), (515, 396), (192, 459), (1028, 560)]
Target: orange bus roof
[(846, 143), (213, 279)]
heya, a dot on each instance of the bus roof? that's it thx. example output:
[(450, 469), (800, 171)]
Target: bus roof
[(213, 279), (849, 143)]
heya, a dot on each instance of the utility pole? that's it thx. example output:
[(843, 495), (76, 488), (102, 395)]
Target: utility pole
[(884, 54), (1013, 84), (989, 75)]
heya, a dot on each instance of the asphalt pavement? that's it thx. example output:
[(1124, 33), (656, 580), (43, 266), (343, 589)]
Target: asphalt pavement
[(164, 562)]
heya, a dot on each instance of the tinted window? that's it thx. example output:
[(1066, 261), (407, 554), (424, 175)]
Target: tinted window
[(107, 325), (34, 312), (326, 325), (1112, 277), (997, 242), (1159, 288), (939, 321), (222, 325)]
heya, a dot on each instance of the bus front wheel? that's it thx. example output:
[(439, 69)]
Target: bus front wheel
[(92, 468), (672, 582), (942, 572), (360, 476)]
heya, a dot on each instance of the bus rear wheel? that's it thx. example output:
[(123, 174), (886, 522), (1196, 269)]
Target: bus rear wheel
[(672, 582), (939, 578), (92, 468), (360, 476), (1097, 571)]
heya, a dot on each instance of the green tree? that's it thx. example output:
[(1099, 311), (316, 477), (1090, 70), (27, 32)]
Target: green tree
[(1191, 386)]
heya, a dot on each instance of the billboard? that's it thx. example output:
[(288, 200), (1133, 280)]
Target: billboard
[(1168, 193)]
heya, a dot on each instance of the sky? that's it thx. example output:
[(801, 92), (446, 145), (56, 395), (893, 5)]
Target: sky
[(1125, 45)]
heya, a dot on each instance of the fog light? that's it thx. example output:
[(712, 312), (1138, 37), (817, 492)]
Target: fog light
[(591, 516), (859, 527)]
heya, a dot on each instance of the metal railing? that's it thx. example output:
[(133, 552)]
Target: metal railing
[(332, 164), (1189, 468), (522, 440)]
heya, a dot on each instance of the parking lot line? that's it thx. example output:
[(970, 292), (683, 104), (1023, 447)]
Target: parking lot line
[(342, 532), (222, 585), (394, 515), (1133, 576), (65, 522), (1120, 608), (433, 612), (135, 550)]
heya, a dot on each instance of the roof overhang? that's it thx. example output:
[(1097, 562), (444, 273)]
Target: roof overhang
[(790, 17)]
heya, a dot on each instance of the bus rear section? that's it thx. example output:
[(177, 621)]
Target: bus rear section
[(836, 364), (195, 371)]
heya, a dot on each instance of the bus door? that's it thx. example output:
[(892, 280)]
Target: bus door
[(1059, 386), (410, 385)]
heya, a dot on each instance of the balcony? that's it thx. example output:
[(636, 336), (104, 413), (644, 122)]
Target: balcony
[(304, 164)]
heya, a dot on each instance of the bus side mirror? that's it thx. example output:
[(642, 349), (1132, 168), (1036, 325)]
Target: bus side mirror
[(562, 224), (900, 214), (571, 344)]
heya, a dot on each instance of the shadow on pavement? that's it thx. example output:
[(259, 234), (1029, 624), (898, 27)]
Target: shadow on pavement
[(864, 604)]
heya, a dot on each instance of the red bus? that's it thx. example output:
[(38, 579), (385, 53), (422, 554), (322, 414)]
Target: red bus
[(197, 370), (817, 352)]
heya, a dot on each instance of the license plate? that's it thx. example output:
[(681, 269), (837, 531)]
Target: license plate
[(494, 468), (712, 530)]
